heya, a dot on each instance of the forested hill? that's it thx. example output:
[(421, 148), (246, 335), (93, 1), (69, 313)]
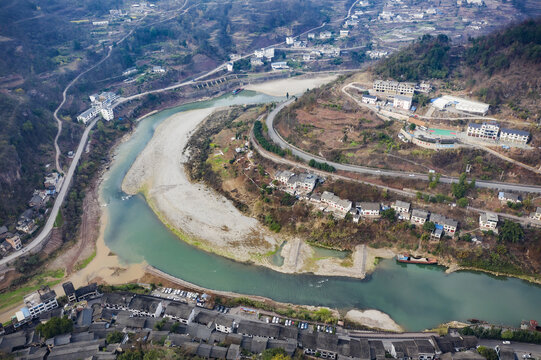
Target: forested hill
[(502, 68)]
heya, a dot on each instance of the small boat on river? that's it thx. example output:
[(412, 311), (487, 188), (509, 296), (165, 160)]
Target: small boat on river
[(236, 91), (408, 259)]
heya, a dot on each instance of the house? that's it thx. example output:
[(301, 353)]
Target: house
[(514, 136), (126, 73), (537, 214), (311, 36), (437, 233), (88, 115), (268, 53), (401, 207), (325, 35), (335, 202), (229, 66), (283, 176), (488, 221), (419, 217), (306, 57), (505, 197), (448, 225), (369, 99), (290, 40), (15, 242), (394, 87), (142, 305), (181, 312), (344, 33), (107, 113), (224, 324), (158, 69), (486, 130), (256, 61), (402, 102), (462, 355), (280, 65), (100, 23), (116, 300), (40, 301), (259, 53), (26, 224), (369, 208), (252, 328)]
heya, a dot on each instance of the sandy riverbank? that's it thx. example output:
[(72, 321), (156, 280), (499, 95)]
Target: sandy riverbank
[(295, 86), (373, 319), (209, 221)]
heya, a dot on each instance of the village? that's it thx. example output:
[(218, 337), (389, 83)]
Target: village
[(104, 324), (14, 236)]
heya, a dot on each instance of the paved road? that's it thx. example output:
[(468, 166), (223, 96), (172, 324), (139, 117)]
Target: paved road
[(58, 202), (276, 138), (518, 347)]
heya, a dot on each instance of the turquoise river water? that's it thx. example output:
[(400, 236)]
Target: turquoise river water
[(416, 297)]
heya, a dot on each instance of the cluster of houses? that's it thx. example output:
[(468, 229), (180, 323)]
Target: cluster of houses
[(26, 223), (302, 185), (101, 104), (401, 92), (203, 333), (491, 131)]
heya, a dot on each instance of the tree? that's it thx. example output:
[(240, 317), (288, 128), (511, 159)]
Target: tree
[(412, 126), (114, 337), (488, 353), (429, 226), (55, 326), (462, 202), (460, 189), (511, 232), (389, 214)]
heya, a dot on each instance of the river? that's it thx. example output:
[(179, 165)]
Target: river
[(416, 297)]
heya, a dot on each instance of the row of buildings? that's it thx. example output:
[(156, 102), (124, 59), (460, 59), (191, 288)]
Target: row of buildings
[(491, 131), (100, 104)]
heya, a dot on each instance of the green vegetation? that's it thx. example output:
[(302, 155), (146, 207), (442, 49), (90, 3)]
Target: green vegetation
[(511, 231), (461, 188), (114, 337), (427, 57), (262, 140), (83, 263), (496, 333), (488, 353), (322, 315), (59, 221), (55, 326), (321, 166)]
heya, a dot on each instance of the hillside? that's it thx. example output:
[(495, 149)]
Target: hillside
[(502, 68)]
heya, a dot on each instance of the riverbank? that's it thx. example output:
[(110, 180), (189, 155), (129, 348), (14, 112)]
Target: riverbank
[(295, 86)]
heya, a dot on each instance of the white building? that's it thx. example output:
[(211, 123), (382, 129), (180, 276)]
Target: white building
[(259, 53), (335, 202), (402, 102), (15, 242), (394, 87), (280, 65), (107, 113), (158, 69), (474, 107), (486, 130), (325, 35), (256, 61), (514, 136), (311, 36), (488, 221), (41, 301), (369, 99), (401, 207), (537, 214), (306, 57), (100, 23), (229, 66), (290, 40), (344, 33), (449, 225), (88, 115), (419, 217), (369, 208), (505, 197), (268, 53)]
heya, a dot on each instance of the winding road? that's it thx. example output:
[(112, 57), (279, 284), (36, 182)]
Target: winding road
[(305, 156)]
